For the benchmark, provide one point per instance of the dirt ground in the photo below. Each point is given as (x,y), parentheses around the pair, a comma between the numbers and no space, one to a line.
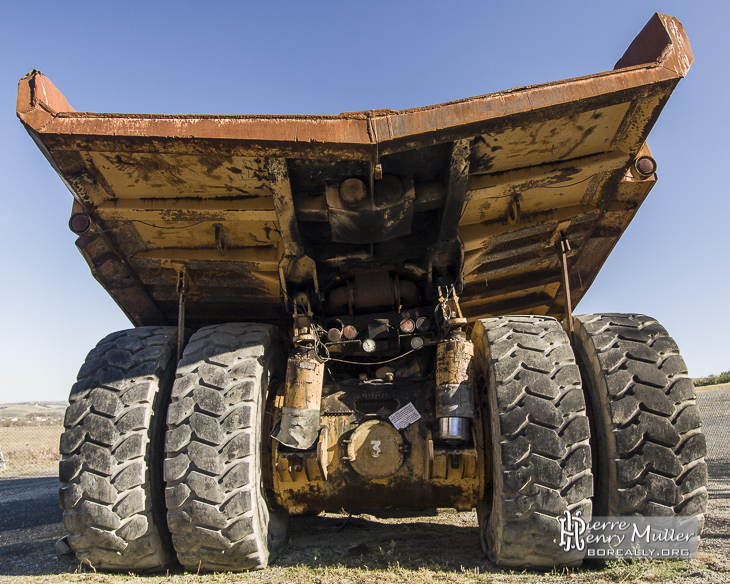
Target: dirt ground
(30,450)
(438,546)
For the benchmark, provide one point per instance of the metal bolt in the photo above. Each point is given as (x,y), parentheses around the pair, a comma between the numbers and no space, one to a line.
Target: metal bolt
(353,191)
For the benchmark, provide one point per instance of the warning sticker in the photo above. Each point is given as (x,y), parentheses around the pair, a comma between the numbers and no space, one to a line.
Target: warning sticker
(404,417)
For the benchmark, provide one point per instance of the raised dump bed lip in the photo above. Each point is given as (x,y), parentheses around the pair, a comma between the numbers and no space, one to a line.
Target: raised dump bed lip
(161,190)
(660,53)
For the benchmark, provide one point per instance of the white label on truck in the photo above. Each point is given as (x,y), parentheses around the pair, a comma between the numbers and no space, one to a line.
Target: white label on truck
(404,417)
(376,448)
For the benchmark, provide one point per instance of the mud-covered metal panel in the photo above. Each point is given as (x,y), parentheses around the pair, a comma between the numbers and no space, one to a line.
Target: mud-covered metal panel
(548,140)
(135,175)
(362,461)
(202,194)
(358,216)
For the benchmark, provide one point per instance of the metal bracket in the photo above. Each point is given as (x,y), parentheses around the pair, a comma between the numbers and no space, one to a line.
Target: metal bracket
(322,447)
(449,309)
(295,266)
(182,293)
(303,331)
(563,247)
(447,253)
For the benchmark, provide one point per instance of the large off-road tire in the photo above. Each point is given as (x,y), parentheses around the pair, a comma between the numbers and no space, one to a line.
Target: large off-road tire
(541,459)
(111,470)
(217,505)
(647,437)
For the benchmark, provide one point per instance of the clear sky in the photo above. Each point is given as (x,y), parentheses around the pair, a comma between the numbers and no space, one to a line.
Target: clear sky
(184,57)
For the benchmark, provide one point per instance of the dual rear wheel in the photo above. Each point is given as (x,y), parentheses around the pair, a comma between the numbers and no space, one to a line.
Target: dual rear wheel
(209,509)
(607,426)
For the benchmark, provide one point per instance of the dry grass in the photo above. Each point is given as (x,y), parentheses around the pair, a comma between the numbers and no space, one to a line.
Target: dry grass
(435,550)
(30,450)
(698,570)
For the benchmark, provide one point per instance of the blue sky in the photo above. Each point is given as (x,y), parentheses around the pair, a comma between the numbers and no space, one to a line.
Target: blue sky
(328,57)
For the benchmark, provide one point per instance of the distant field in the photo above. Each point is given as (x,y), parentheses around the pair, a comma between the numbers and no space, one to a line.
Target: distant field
(30,443)
(30,450)
(31,447)
(53,410)
(710,387)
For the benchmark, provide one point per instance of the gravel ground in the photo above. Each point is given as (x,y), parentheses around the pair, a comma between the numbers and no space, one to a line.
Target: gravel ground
(715,408)
(444,541)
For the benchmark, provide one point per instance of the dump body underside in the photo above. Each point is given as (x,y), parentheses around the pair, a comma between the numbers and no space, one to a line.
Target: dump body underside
(254,208)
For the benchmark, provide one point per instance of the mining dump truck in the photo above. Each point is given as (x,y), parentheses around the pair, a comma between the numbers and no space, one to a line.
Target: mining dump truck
(365,311)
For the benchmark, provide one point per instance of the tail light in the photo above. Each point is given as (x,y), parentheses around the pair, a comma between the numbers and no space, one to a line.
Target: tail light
(423,325)
(407,326)
(79,223)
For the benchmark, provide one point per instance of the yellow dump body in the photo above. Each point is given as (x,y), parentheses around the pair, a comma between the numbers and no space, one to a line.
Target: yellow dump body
(250,208)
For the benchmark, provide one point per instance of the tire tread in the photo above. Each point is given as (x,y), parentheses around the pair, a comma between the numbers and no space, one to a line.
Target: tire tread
(645,408)
(540,435)
(109,495)
(216,513)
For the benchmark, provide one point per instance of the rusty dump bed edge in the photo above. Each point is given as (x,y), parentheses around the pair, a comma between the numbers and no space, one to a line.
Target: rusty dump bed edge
(251,208)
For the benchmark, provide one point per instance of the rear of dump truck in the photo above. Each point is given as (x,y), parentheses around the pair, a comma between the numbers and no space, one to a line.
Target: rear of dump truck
(367,311)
